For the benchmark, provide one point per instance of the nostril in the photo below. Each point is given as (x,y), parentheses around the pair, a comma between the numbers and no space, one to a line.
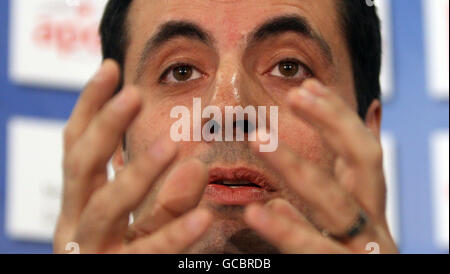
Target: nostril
(214,127)
(244,125)
(249,127)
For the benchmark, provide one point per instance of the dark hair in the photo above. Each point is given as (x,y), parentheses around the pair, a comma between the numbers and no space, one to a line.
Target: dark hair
(360,25)
(362,30)
(114,32)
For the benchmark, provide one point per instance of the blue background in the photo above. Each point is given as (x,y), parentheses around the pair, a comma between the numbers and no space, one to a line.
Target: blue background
(411,115)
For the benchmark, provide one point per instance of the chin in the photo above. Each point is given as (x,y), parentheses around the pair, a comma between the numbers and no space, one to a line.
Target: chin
(229,234)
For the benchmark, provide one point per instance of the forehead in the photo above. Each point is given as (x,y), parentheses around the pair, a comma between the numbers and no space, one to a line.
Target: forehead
(230,21)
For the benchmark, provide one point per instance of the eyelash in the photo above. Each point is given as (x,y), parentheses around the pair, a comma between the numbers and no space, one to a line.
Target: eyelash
(292,60)
(172,67)
(301,65)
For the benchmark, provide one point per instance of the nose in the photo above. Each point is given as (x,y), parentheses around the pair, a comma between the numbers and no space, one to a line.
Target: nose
(232,92)
(229,86)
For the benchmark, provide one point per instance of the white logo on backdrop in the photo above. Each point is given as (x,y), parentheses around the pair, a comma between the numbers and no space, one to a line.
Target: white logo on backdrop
(34,177)
(440,183)
(55,43)
(436,29)
(386,77)
(390,170)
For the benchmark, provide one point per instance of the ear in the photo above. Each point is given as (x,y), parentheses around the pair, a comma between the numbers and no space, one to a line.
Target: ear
(373,118)
(119,158)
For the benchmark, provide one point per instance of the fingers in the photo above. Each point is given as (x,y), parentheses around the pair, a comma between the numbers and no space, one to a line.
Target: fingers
(347,135)
(336,121)
(331,207)
(106,129)
(174,237)
(180,193)
(284,208)
(106,215)
(286,234)
(97,92)
(85,164)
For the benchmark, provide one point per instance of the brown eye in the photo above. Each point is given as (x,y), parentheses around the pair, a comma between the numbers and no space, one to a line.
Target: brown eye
(291,69)
(288,68)
(182,73)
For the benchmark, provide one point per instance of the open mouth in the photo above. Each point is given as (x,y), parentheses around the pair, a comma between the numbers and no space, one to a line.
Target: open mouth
(238,186)
(235,184)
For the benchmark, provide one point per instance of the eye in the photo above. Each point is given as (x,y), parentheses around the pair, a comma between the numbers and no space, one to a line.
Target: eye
(180,73)
(291,69)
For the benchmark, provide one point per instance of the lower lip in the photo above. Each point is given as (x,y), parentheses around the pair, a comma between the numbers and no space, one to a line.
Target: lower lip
(235,196)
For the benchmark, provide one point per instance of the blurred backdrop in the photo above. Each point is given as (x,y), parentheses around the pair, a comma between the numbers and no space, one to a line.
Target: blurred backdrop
(49,48)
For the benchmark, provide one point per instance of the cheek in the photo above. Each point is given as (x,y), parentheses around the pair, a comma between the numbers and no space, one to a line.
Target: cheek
(154,122)
(150,124)
(305,141)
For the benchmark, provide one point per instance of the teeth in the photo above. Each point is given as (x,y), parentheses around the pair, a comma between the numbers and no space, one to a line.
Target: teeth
(236,184)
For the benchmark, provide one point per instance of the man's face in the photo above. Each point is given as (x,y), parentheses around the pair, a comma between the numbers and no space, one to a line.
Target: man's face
(235,53)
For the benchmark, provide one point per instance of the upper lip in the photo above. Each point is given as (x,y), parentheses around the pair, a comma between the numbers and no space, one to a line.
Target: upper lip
(240,174)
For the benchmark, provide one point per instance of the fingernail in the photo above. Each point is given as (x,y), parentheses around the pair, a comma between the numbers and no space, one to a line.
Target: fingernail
(261,214)
(163,148)
(306,97)
(197,221)
(270,204)
(318,88)
(98,77)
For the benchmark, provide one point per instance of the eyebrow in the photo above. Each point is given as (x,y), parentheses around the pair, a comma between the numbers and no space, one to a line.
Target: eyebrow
(290,23)
(273,27)
(167,32)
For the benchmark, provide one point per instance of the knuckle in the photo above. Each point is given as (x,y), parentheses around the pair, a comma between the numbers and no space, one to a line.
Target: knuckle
(168,209)
(345,207)
(98,207)
(123,189)
(71,164)
(105,121)
(68,136)
(75,165)
(124,197)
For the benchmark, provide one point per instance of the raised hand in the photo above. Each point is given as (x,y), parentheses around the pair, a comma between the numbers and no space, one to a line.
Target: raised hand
(347,209)
(95,212)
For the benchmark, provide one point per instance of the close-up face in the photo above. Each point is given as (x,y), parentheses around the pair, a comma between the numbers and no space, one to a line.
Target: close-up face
(224,127)
(233,53)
